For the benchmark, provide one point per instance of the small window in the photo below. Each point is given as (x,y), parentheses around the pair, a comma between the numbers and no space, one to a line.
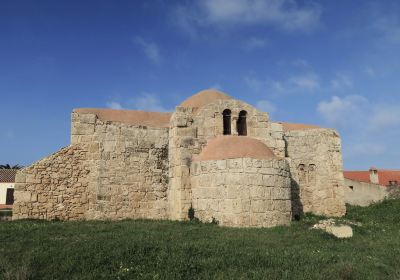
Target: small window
(226,115)
(351,187)
(241,123)
(302,167)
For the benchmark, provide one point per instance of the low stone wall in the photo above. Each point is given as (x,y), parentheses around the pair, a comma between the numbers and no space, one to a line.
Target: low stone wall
(242,192)
(362,193)
(55,187)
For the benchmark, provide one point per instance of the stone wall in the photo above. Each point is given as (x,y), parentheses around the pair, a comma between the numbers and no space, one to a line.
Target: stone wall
(132,167)
(56,187)
(183,144)
(242,192)
(209,121)
(316,169)
(362,193)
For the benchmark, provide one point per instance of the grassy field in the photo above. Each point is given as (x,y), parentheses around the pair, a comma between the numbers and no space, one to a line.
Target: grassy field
(145,249)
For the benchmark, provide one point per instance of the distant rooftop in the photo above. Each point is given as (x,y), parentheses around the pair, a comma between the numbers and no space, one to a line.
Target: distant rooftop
(7,175)
(384,176)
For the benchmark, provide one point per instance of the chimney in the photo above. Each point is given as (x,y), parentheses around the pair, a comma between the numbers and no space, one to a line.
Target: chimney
(373,175)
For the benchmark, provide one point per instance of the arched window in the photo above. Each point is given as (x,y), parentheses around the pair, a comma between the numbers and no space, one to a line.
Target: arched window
(241,123)
(226,114)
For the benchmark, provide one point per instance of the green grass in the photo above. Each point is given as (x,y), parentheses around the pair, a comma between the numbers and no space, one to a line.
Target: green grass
(146,249)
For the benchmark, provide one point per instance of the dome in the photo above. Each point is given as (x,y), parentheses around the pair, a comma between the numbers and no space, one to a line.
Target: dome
(203,98)
(226,147)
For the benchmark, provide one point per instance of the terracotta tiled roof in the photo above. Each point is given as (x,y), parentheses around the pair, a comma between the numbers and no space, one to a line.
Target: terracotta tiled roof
(7,175)
(5,206)
(203,98)
(228,146)
(385,176)
(388,175)
(297,126)
(152,119)
(361,176)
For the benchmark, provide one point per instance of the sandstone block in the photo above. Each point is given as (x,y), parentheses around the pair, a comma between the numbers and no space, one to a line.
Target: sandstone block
(82,129)
(20,177)
(340,231)
(22,196)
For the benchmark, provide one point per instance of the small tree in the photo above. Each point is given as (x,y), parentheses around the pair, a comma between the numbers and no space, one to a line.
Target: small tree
(8,166)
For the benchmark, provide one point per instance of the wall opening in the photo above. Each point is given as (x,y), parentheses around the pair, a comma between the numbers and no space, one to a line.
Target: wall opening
(226,114)
(241,123)
(10,197)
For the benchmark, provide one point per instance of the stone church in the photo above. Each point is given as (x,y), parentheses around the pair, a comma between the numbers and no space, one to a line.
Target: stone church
(215,159)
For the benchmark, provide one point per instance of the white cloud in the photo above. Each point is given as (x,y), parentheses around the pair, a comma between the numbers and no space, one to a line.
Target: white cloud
(147,102)
(367,149)
(144,101)
(283,14)
(308,81)
(216,86)
(370,71)
(384,117)
(299,83)
(254,83)
(356,112)
(114,105)
(266,106)
(150,49)
(254,43)
(184,17)
(340,111)
(302,63)
(388,26)
(341,81)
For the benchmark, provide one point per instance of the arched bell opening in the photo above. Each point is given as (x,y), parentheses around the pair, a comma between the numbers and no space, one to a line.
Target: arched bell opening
(226,115)
(241,123)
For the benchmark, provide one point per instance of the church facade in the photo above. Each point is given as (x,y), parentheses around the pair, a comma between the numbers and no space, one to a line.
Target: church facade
(215,159)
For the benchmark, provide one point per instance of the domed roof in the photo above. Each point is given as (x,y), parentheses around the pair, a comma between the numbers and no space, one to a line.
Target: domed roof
(203,98)
(225,147)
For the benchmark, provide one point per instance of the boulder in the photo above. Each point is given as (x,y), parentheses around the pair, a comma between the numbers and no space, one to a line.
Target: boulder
(340,231)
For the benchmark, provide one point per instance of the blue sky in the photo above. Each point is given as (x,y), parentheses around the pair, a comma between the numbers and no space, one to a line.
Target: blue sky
(330,63)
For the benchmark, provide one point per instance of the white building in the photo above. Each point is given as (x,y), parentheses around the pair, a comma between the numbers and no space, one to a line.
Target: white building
(7,182)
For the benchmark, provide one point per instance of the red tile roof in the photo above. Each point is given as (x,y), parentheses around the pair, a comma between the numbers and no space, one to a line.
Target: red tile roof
(388,175)
(229,146)
(361,176)
(385,176)
(152,119)
(4,206)
(7,175)
(297,126)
